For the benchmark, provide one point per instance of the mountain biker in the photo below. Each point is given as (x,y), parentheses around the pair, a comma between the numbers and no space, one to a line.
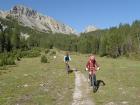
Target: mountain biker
(92,67)
(67,58)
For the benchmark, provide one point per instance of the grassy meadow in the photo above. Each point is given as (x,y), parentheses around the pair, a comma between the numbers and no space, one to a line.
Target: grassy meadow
(31,82)
(121,76)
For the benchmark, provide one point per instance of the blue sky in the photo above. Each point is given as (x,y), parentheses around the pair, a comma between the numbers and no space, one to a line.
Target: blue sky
(81,13)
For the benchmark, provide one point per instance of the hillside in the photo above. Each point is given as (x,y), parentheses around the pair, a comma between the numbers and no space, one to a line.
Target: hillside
(31,18)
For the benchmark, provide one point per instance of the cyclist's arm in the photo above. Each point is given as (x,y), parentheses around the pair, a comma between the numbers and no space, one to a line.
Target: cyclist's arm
(87,65)
(69,58)
(64,58)
(97,65)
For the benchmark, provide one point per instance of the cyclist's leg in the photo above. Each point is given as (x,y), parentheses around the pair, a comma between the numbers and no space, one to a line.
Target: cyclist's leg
(94,83)
(94,79)
(89,76)
(91,79)
(67,68)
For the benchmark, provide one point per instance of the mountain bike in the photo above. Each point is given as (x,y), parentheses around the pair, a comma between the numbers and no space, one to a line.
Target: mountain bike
(67,67)
(93,81)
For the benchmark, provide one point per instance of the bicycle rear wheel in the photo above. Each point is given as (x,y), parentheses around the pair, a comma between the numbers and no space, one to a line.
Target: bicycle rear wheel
(67,68)
(93,84)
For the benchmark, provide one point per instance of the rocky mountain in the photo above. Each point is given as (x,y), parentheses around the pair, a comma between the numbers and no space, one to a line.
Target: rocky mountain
(3,14)
(31,18)
(90,28)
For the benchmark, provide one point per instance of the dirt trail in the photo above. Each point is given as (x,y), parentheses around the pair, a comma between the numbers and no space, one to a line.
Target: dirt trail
(82,90)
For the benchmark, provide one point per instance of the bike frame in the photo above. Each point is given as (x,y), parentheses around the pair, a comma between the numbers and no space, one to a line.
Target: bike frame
(67,67)
(93,80)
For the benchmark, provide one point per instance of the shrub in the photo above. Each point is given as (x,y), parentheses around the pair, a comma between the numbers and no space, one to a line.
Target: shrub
(1,64)
(53,53)
(11,61)
(47,51)
(44,59)
(29,54)
(3,59)
(35,52)
(7,59)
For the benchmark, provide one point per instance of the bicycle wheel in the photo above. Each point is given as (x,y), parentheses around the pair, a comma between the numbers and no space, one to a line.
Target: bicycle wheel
(93,84)
(91,81)
(67,68)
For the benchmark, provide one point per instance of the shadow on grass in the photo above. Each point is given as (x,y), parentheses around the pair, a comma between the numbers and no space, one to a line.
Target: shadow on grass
(98,84)
(70,71)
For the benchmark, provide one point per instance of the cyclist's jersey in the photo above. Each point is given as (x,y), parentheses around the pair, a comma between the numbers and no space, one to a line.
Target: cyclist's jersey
(91,64)
(67,58)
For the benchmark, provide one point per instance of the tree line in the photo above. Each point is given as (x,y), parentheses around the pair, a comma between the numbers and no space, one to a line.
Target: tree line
(114,42)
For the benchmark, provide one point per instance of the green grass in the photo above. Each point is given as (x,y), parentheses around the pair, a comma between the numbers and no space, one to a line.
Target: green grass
(31,82)
(34,83)
(122,78)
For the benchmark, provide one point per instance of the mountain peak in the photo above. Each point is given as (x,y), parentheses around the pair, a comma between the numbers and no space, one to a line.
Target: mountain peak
(23,10)
(90,28)
(2,14)
(31,18)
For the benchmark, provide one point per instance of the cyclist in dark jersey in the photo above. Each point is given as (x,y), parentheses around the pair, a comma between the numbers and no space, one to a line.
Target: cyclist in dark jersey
(67,58)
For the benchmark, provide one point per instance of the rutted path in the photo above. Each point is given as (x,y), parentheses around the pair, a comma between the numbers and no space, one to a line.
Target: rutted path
(81,92)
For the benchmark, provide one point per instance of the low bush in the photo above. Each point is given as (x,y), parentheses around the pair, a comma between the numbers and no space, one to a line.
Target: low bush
(11,61)
(47,51)
(53,53)
(7,59)
(44,59)
(30,54)
(27,53)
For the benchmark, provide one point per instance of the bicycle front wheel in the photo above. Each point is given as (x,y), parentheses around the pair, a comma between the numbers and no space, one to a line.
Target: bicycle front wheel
(93,83)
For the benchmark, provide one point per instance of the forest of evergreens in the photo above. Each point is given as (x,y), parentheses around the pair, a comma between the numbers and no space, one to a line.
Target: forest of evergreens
(114,42)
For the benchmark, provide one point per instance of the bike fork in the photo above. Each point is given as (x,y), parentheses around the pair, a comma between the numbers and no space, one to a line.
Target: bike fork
(93,78)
